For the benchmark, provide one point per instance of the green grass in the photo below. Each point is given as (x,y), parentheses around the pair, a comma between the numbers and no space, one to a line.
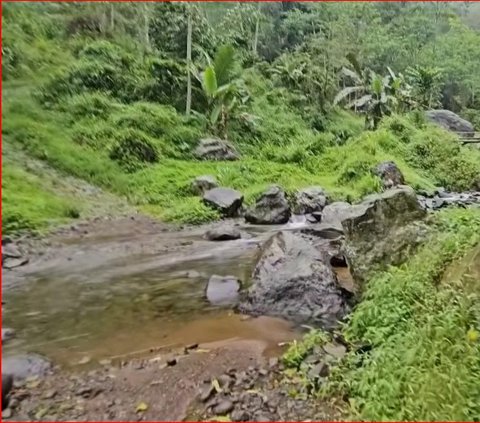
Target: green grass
(29,205)
(425,360)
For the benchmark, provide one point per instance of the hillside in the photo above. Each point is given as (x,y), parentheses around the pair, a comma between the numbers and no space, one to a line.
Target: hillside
(114,109)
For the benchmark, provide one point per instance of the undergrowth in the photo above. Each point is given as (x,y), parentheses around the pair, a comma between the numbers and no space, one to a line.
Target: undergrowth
(421,325)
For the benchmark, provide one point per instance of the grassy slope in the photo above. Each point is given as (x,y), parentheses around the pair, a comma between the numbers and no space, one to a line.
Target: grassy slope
(423,325)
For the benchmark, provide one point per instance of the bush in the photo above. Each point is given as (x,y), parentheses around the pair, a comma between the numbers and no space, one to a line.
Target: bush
(133,149)
(448,163)
(89,105)
(417,319)
(154,119)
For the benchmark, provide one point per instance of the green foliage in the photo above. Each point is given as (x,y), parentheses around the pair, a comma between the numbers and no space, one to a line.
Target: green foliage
(28,205)
(89,105)
(133,149)
(417,319)
(298,351)
(426,82)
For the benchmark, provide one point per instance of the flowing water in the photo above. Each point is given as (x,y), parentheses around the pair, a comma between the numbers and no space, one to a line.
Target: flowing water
(117,293)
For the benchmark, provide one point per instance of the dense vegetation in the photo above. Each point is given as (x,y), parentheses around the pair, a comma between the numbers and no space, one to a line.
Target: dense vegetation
(310,94)
(99,91)
(415,353)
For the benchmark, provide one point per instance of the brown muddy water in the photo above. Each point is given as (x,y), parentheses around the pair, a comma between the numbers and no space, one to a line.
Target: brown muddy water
(111,293)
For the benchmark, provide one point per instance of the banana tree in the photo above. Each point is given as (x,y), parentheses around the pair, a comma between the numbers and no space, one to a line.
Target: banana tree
(372,94)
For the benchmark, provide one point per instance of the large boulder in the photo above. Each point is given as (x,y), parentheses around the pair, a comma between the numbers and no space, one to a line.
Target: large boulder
(390,174)
(215,149)
(270,208)
(310,200)
(292,280)
(202,184)
(335,213)
(383,230)
(451,121)
(228,201)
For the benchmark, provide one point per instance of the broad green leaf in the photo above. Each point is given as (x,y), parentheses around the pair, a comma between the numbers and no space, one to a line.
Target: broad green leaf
(346,92)
(210,82)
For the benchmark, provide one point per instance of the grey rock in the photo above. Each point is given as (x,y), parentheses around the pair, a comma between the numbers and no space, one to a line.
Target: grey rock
(206,392)
(333,215)
(319,370)
(222,290)
(24,365)
(7,385)
(383,230)
(291,280)
(223,407)
(10,250)
(7,413)
(270,208)
(11,263)
(335,350)
(223,233)
(228,201)
(451,121)
(390,174)
(215,149)
(309,200)
(239,416)
(202,184)
(7,334)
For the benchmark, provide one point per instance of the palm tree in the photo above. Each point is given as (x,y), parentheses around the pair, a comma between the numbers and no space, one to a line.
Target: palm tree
(221,85)
(426,84)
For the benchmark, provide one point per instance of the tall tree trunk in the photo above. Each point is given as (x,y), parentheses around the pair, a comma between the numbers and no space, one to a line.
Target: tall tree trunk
(189,62)
(112,17)
(257,28)
(146,26)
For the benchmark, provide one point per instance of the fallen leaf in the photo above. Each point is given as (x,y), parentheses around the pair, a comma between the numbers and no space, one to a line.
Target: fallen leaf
(252,391)
(141,407)
(33,384)
(221,419)
(216,385)
(473,335)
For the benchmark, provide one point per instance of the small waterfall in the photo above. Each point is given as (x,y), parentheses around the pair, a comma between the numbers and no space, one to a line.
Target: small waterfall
(297,221)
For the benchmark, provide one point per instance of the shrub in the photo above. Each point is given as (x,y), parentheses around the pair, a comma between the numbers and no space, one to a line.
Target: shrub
(89,105)
(448,163)
(133,149)
(153,119)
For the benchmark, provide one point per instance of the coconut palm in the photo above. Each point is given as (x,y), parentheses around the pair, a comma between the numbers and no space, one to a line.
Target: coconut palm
(222,86)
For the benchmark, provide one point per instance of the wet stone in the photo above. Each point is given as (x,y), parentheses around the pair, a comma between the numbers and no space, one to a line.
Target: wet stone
(337,351)
(223,407)
(206,392)
(239,416)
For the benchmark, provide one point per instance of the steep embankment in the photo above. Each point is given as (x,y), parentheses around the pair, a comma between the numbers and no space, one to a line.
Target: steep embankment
(414,337)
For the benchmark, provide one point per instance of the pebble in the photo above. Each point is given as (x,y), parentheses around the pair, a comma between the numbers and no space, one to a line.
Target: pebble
(223,407)
(171,361)
(239,416)
(337,351)
(7,413)
(50,394)
(273,362)
(206,392)
(84,360)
